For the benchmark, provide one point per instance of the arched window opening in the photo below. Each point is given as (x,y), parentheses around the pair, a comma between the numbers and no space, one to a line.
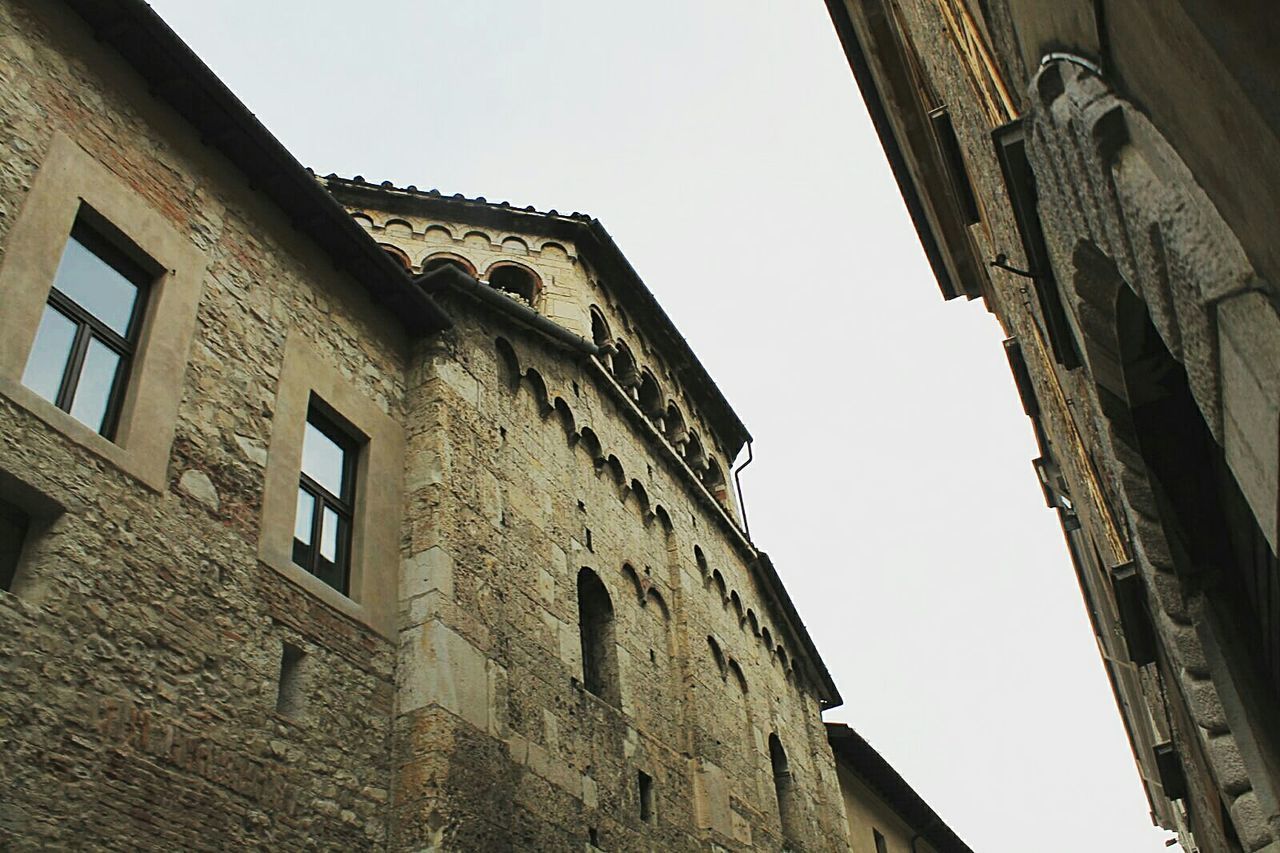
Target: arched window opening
(515,281)
(784,788)
(599,644)
(1201,503)
(677,432)
(694,455)
(441,261)
(714,480)
(651,400)
(753,622)
(720,585)
(624,369)
(399,256)
(600,334)
(736,602)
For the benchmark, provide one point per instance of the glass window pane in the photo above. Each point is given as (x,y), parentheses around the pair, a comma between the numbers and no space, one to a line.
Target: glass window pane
(49,354)
(322,460)
(97,378)
(306,514)
(96,286)
(329,535)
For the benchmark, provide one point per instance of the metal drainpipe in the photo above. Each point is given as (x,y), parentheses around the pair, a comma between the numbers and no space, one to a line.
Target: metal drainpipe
(737,482)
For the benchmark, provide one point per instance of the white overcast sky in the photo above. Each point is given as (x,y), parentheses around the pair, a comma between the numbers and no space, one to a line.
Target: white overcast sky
(726,148)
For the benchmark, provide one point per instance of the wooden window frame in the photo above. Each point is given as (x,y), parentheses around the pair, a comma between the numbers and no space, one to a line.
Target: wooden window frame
(90,328)
(331,426)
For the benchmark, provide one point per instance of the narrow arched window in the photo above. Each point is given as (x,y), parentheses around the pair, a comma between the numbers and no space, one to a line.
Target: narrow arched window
(600,334)
(599,645)
(784,787)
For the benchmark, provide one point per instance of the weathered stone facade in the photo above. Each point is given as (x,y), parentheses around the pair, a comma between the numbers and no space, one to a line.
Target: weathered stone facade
(175,680)
(1115,229)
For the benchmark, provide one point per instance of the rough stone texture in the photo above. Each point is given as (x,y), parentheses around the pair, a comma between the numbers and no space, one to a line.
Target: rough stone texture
(490,625)
(142,644)
(141,651)
(1123,211)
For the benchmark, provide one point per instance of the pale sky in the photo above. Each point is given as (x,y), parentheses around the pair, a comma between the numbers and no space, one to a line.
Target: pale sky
(726,148)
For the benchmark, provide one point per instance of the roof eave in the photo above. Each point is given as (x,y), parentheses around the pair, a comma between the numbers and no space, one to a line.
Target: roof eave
(175,75)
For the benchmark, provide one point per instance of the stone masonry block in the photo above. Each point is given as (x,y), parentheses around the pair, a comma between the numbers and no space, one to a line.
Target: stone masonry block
(1249,329)
(428,571)
(439,667)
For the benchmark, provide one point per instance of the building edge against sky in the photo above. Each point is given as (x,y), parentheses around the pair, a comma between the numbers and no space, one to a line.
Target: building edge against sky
(312,541)
(1106,178)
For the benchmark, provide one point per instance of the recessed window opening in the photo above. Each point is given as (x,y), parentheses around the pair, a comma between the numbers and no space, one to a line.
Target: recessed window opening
(326,499)
(14,524)
(644,783)
(600,335)
(596,631)
(514,280)
(89,332)
(587,536)
(784,788)
(881,845)
(593,836)
(289,698)
(397,255)
(437,263)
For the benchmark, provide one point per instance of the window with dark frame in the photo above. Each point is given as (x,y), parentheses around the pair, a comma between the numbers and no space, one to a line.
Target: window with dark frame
(89,331)
(326,499)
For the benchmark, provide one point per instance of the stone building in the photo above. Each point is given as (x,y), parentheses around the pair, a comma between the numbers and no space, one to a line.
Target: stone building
(389,522)
(1105,176)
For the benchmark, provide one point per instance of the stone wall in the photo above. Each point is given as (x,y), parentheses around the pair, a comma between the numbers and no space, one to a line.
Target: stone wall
(141,646)
(1126,221)
(172,684)
(527,463)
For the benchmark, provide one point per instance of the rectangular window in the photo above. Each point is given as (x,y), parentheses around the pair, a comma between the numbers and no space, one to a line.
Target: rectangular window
(13,532)
(326,500)
(881,845)
(289,696)
(89,330)
(645,784)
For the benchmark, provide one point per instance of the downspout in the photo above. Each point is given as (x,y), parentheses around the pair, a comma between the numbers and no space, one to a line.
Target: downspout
(737,482)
